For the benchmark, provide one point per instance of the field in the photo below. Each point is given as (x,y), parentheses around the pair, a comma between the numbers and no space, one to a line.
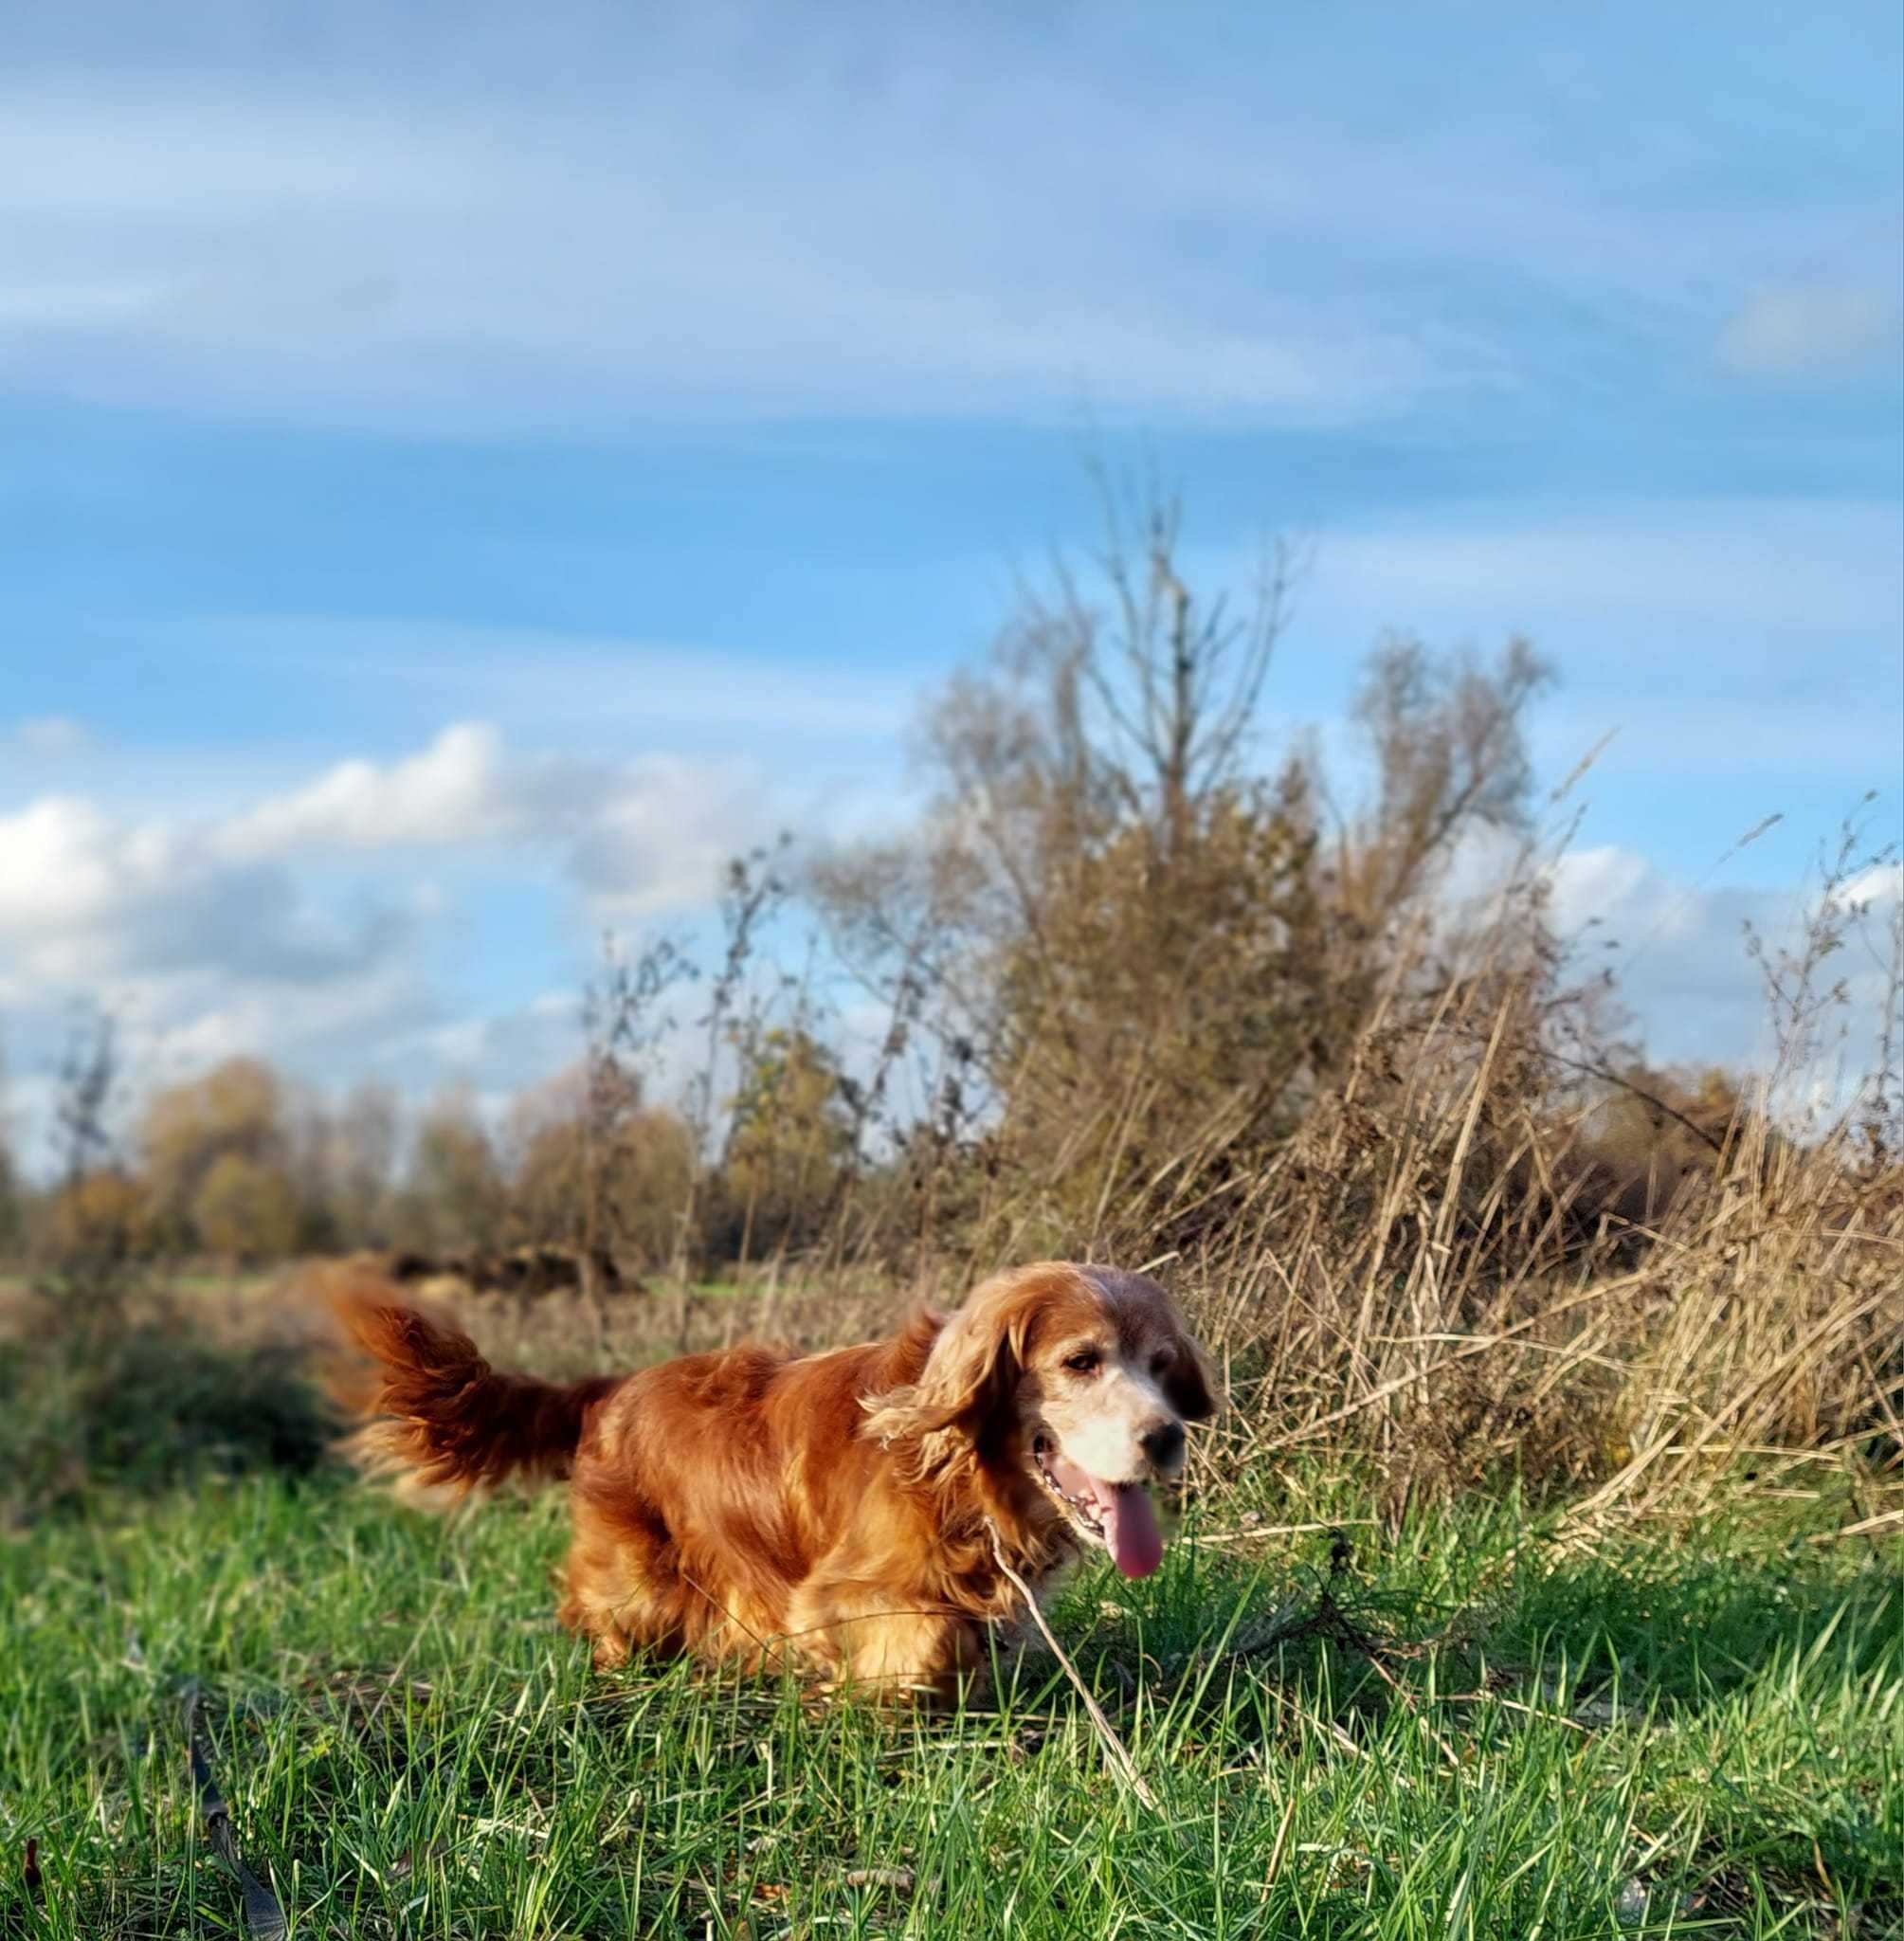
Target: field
(1350,1720)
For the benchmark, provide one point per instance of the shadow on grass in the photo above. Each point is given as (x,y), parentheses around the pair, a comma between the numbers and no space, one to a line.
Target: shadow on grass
(1675,1628)
(1722,1674)
(1666,1628)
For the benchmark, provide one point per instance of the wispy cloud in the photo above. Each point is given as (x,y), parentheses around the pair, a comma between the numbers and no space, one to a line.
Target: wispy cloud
(555,684)
(464,260)
(1815,330)
(1818,566)
(722,212)
(45,738)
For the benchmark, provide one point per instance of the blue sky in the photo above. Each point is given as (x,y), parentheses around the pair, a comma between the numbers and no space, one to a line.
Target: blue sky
(468,469)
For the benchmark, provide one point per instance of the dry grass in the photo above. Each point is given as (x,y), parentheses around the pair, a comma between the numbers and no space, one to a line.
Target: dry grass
(1410,1283)
(1430,1278)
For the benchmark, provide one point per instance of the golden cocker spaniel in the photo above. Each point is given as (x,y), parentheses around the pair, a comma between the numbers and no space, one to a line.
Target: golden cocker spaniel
(842,1506)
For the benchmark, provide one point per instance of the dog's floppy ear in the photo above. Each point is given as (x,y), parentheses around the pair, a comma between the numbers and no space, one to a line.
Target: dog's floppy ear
(1190,1386)
(977,1360)
(970,1370)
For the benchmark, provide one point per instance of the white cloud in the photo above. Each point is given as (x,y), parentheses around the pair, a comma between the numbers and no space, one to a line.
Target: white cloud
(454,792)
(1812,329)
(633,837)
(510,1047)
(195,955)
(81,885)
(1679,953)
(81,892)
(298,925)
(85,896)
(1685,972)
(47,738)
(1874,887)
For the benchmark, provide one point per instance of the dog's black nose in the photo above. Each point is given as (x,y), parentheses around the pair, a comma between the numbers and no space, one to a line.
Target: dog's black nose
(1164,1443)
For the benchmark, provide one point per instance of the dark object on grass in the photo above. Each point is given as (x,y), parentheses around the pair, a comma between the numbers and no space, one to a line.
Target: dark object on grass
(263,1917)
(530,1272)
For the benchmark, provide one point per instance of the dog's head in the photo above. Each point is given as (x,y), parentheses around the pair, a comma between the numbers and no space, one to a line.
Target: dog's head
(1076,1380)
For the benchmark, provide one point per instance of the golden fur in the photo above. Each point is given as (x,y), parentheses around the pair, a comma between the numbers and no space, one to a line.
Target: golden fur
(749,1503)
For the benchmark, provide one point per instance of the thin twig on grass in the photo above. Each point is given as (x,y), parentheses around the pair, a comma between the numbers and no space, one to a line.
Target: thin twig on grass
(263,1914)
(1275,1866)
(1115,1750)
(1869,1527)
(1203,1539)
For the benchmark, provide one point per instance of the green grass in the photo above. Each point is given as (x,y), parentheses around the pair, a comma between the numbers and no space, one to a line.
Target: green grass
(1700,1736)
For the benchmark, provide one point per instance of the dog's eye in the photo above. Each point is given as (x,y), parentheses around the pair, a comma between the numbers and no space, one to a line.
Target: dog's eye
(1083,1363)
(1160,1361)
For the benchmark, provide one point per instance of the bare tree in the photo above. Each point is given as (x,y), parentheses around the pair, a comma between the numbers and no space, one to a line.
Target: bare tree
(622,1024)
(1176,680)
(755,892)
(1119,908)
(88,1081)
(1447,735)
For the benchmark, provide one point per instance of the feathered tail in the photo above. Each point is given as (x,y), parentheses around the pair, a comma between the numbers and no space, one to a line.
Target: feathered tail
(440,1414)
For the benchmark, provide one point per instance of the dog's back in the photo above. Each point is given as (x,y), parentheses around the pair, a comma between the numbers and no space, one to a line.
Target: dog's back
(708,1489)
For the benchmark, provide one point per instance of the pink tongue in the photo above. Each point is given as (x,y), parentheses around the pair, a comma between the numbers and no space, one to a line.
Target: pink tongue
(1129,1527)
